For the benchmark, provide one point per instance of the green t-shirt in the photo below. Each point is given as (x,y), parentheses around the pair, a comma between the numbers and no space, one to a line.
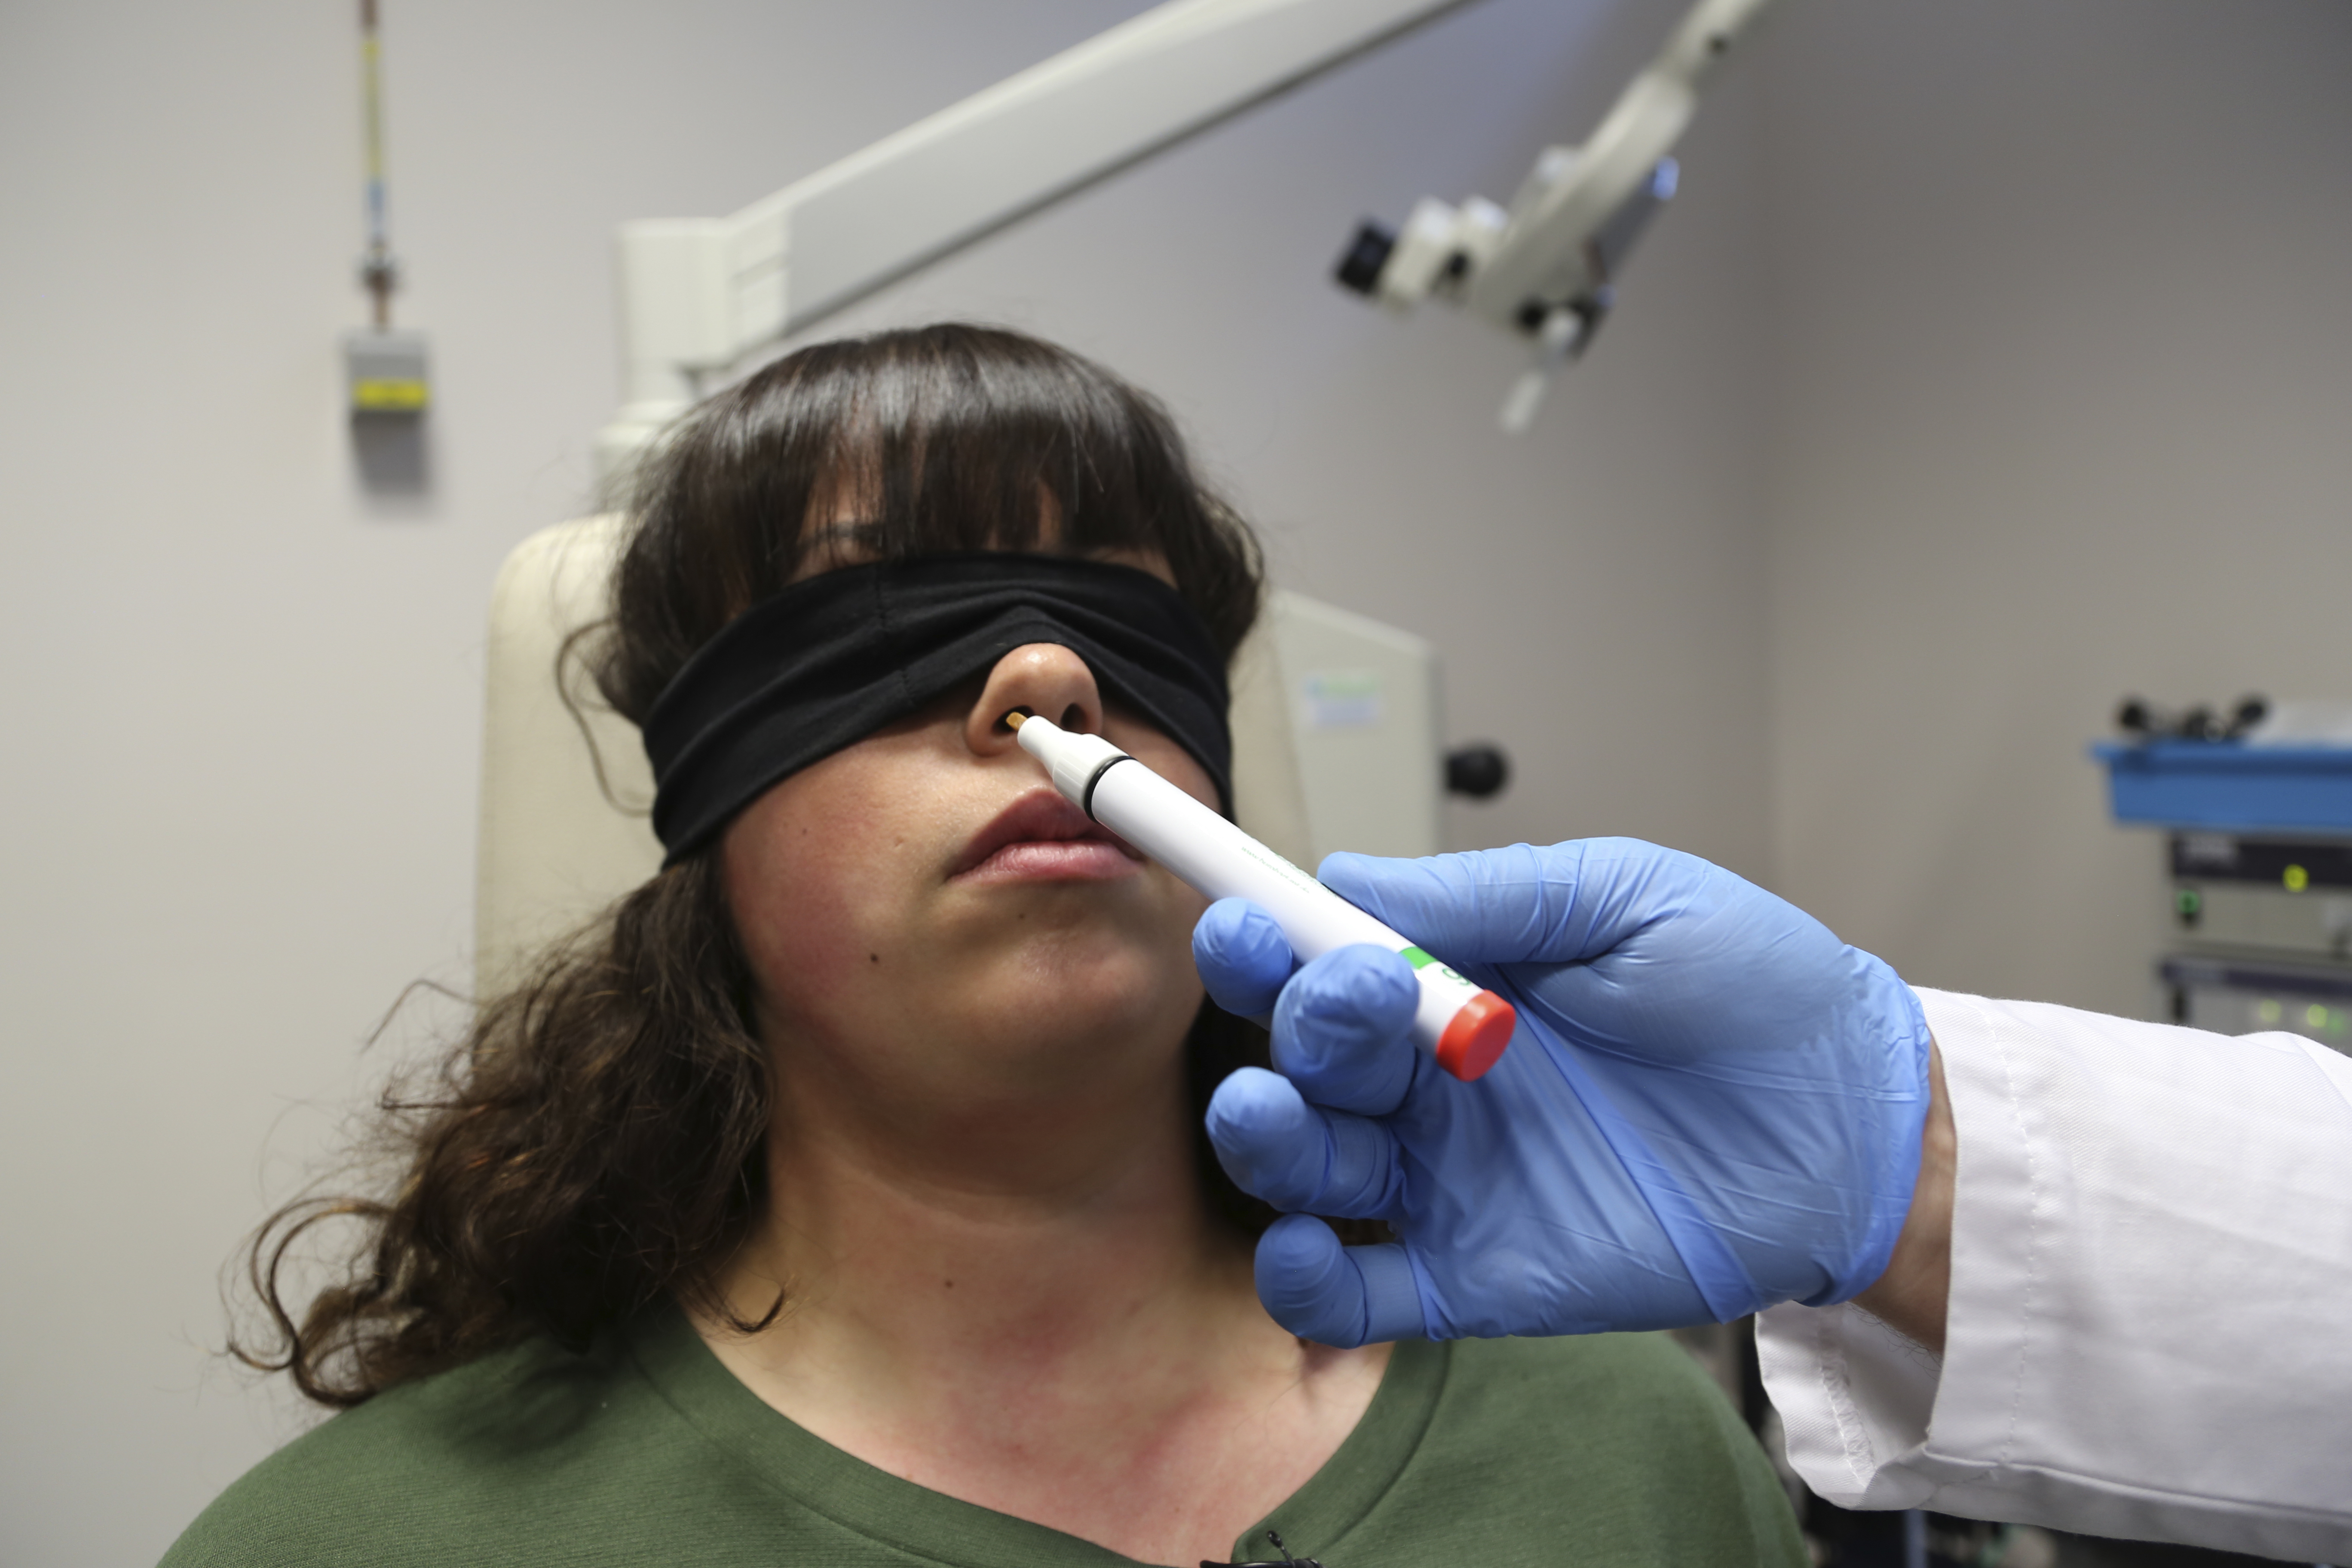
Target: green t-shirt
(1494,1454)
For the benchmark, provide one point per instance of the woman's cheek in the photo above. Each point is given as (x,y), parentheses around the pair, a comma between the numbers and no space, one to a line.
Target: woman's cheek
(814,913)
(800,953)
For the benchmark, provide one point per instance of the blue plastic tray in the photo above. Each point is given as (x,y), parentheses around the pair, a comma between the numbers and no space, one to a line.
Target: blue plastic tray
(2231,787)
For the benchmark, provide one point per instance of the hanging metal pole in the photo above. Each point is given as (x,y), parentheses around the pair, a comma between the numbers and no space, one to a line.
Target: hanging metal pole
(378,270)
(383,371)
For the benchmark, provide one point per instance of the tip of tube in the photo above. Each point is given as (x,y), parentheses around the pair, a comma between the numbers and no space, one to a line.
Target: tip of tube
(1015,720)
(1475,1039)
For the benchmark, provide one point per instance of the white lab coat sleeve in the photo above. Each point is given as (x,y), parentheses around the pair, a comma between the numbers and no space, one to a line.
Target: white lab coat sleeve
(2150,1330)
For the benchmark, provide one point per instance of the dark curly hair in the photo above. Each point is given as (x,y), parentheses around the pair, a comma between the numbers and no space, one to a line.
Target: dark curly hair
(596,1140)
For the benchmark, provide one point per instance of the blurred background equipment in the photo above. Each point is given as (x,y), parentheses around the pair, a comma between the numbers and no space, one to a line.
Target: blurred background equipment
(1546,267)
(697,295)
(387,378)
(1477,772)
(2259,845)
(2137,716)
(2258,814)
(2264,928)
(384,369)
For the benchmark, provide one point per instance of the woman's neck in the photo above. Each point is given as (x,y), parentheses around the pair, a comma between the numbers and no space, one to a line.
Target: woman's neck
(920,1236)
(1020,1299)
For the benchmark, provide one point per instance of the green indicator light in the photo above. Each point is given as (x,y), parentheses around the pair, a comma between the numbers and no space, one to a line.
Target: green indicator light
(2315,1015)
(2266,1011)
(2296,878)
(2188,903)
(2336,1022)
(1417,958)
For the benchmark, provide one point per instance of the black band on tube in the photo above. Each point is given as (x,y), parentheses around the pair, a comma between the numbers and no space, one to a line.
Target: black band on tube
(1096,777)
(830,660)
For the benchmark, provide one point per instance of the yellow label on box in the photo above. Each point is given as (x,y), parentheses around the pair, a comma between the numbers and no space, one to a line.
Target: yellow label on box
(389,396)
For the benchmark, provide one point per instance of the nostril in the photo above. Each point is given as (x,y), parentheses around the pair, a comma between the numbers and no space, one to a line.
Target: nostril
(1074,718)
(1001,728)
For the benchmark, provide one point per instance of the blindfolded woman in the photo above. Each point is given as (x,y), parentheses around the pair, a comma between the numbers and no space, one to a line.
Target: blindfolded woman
(841,1197)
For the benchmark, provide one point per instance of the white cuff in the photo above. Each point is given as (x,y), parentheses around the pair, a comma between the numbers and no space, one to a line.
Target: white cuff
(1854,1399)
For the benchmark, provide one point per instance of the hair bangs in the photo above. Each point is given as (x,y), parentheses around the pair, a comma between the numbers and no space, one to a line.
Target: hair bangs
(906,443)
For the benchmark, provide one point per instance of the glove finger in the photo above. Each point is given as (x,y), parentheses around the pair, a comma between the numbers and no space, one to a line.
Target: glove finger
(1554,904)
(1243,958)
(1338,1296)
(1343,1030)
(1300,1158)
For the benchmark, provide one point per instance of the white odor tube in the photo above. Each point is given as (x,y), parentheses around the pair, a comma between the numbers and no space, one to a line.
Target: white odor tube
(1464,1026)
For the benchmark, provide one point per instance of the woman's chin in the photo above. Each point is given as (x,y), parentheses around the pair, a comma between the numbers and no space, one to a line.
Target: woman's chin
(1094,1012)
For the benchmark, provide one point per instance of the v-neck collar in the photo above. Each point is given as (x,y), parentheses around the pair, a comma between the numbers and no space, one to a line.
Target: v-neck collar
(787,1458)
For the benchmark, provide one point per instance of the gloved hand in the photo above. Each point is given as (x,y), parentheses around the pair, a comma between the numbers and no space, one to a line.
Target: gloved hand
(1711,1104)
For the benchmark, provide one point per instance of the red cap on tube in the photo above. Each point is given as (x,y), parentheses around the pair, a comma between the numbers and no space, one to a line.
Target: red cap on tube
(1476,1036)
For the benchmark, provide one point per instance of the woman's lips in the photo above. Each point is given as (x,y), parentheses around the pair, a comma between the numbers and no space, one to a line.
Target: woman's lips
(1043,838)
(1066,860)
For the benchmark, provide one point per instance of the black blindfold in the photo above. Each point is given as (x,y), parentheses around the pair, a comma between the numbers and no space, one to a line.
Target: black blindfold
(830,660)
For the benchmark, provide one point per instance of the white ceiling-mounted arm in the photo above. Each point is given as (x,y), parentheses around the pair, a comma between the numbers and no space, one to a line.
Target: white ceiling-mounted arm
(697,294)
(1546,265)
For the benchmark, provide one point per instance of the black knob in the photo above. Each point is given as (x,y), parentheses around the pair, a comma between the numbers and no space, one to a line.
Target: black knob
(1477,771)
(1359,268)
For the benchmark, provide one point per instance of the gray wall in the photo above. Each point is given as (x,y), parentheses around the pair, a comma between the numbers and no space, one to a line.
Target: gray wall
(2061,408)
(243,694)
(1992,362)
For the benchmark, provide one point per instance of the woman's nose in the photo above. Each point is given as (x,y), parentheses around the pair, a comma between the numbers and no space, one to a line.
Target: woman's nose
(1041,677)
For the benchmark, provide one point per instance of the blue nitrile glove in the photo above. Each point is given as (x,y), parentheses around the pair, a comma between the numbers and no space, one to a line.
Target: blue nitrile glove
(1711,1104)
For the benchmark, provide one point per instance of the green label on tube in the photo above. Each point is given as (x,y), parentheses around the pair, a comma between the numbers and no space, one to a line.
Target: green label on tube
(1421,961)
